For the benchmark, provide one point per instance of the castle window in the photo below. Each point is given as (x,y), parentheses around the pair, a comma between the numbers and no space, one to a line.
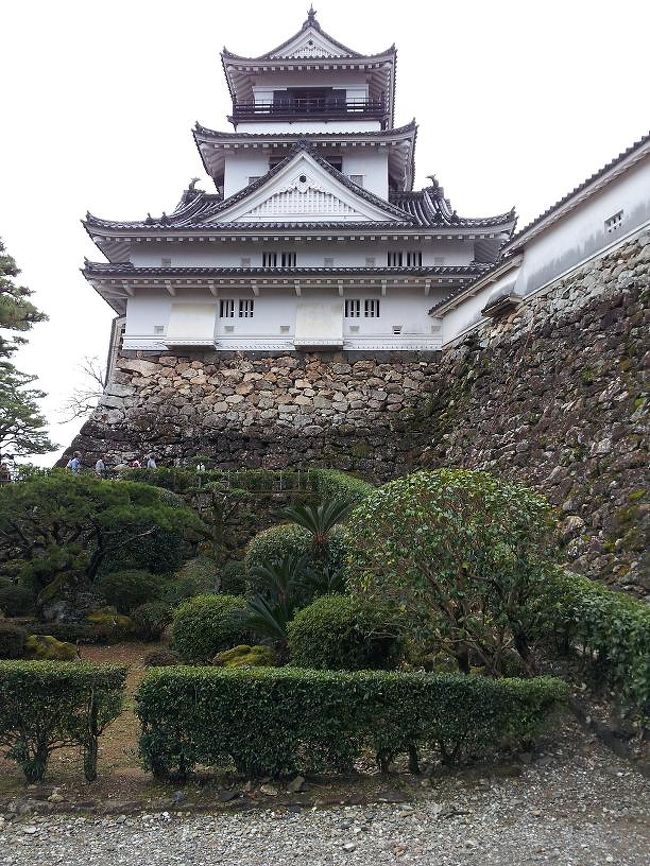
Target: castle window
(246,308)
(409,258)
(614,222)
(352,308)
(371,308)
(272,259)
(328,262)
(165,262)
(159,329)
(227,308)
(356,178)
(245,261)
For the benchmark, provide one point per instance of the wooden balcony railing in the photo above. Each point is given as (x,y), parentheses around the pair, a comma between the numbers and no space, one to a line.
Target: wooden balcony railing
(324,108)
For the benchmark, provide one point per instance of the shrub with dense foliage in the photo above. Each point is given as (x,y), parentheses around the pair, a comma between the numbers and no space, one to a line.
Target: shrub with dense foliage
(162,658)
(151,619)
(276,721)
(272,546)
(607,632)
(245,656)
(232,579)
(60,530)
(12,641)
(16,600)
(196,577)
(110,627)
(207,624)
(46,706)
(466,547)
(341,632)
(126,590)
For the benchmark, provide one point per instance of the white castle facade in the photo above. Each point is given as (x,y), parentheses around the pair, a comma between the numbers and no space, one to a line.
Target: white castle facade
(314,238)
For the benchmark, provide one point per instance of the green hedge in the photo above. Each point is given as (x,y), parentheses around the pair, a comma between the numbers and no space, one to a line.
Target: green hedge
(339,632)
(48,705)
(12,641)
(126,590)
(207,624)
(277,721)
(609,630)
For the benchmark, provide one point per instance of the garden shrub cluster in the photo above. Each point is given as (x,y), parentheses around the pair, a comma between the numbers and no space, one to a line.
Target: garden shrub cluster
(608,632)
(16,600)
(273,545)
(339,632)
(278,721)
(12,641)
(207,624)
(47,705)
(151,619)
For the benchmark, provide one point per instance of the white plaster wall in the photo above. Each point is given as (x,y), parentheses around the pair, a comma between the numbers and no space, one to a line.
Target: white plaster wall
(352,125)
(308,253)
(372,163)
(582,232)
(276,309)
(468,313)
(242,164)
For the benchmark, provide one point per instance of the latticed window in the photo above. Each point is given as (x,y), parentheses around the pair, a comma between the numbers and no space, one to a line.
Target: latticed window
(246,308)
(352,308)
(227,308)
(272,259)
(371,308)
(408,258)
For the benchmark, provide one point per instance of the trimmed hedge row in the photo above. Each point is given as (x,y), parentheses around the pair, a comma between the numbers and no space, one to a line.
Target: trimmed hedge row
(48,705)
(610,630)
(278,721)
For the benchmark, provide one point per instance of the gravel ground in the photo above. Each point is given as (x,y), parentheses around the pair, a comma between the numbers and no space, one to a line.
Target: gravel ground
(577,805)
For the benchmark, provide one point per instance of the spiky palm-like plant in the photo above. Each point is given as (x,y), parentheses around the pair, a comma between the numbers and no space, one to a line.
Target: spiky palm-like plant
(320,519)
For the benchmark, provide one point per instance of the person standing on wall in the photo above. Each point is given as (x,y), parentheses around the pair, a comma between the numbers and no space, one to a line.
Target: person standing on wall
(74,463)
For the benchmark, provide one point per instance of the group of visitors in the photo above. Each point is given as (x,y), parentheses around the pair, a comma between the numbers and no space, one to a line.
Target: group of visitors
(75,465)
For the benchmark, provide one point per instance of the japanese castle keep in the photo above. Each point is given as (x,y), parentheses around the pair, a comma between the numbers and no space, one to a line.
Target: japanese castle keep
(313,308)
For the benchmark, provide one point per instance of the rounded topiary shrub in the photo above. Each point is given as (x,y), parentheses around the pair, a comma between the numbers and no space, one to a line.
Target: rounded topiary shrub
(271,546)
(12,641)
(233,577)
(126,590)
(207,624)
(339,632)
(197,576)
(151,619)
(16,600)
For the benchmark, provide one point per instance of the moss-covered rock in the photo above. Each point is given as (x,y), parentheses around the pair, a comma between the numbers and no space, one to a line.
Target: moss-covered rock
(110,626)
(245,656)
(44,647)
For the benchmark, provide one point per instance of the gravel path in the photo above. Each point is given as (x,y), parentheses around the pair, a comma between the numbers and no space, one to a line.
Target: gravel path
(577,806)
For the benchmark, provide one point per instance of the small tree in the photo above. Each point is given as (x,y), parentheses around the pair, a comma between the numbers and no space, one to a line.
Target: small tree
(22,427)
(465,547)
(59,528)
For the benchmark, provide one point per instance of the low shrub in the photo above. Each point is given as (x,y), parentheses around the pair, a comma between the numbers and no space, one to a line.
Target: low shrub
(608,632)
(12,641)
(206,624)
(126,590)
(46,706)
(338,632)
(44,647)
(196,577)
(334,484)
(233,578)
(245,656)
(16,600)
(150,620)
(275,721)
(161,658)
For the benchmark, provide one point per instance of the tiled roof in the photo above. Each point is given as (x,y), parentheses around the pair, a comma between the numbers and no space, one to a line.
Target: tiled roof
(429,207)
(641,142)
(124,269)
(206,133)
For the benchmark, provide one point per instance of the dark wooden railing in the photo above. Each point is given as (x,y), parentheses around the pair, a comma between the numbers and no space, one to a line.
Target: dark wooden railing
(322,107)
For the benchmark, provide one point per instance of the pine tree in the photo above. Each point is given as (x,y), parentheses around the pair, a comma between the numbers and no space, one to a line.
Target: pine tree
(22,426)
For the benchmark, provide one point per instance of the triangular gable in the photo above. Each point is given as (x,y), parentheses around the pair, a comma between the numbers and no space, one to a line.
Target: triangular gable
(304,191)
(310,42)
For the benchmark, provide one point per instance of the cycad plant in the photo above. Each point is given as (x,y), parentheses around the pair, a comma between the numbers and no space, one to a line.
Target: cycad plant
(284,591)
(319,519)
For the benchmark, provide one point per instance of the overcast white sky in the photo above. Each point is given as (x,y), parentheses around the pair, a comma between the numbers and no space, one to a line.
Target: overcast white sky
(517,102)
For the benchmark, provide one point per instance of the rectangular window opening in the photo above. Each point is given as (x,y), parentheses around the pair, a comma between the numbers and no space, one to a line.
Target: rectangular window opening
(159,329)
(165,262)
(371,308)
(227,308)
(328,262)
(245,261)
(614,222)
(246,308)
(352,308)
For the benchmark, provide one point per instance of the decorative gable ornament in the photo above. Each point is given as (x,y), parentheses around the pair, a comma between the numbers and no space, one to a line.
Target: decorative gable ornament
(304,191)
(310,43)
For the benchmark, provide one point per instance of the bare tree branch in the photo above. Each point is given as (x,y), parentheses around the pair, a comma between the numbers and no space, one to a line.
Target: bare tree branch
(85,397)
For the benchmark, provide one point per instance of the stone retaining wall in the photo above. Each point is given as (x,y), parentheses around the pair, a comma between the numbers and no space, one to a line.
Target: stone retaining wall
(553,395)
